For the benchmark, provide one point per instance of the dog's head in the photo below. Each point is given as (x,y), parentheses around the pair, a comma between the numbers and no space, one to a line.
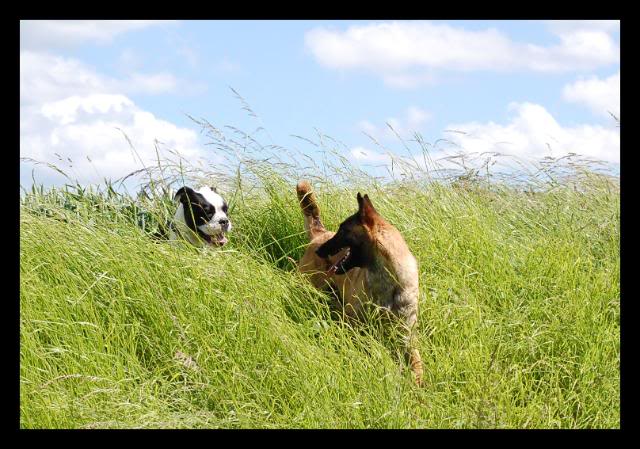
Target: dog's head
(355,235)
(205,213)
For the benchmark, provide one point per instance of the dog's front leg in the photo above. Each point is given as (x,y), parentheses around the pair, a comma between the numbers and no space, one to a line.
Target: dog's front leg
(406,309)
(412,356)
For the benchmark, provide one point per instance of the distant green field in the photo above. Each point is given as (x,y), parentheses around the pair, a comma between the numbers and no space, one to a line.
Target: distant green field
(519,323)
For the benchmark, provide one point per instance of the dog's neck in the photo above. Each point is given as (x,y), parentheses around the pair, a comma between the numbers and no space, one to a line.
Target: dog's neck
(388,274)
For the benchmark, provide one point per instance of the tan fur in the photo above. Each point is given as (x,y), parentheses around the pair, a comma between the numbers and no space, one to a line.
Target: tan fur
(392,281)
(310,209)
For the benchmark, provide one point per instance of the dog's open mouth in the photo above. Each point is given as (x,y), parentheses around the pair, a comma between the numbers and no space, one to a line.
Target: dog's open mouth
(215,240)
(346,252)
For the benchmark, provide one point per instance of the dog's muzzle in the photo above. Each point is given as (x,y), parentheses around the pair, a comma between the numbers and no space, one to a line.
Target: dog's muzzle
(219,239)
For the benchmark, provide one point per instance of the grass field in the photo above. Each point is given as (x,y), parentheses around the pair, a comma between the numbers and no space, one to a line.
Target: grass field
(519,323)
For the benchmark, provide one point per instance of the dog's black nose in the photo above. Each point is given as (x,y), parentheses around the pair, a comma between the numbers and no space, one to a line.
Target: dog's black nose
(223,221)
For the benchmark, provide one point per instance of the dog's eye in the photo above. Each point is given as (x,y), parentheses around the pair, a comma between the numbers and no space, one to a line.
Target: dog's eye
(224,208)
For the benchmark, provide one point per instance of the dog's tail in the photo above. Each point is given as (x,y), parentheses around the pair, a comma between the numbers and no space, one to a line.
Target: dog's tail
(310,209)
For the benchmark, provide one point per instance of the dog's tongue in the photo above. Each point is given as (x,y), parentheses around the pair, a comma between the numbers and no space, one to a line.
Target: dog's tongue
(333,268)
(217,239)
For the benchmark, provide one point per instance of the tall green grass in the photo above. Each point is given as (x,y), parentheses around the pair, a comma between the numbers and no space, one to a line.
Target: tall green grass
(518,324)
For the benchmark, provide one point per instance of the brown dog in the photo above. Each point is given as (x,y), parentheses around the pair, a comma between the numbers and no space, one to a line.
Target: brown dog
(366,258)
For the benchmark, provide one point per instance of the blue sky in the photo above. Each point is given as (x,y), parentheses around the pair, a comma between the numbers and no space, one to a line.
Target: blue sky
(525,82)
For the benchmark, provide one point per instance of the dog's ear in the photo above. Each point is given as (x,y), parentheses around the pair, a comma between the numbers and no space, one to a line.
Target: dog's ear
(183,194)
(366,211)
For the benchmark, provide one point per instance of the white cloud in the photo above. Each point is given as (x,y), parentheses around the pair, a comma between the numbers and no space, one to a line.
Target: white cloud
(69,109)
(89,126)
(44,77)
(47,34)
(413,121)
(405,54)
(601,96)
(533,132)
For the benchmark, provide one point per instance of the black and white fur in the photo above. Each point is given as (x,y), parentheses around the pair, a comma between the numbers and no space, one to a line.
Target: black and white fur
(201,217)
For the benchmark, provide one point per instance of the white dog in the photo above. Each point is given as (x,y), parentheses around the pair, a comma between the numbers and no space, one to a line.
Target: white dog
(201,217)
